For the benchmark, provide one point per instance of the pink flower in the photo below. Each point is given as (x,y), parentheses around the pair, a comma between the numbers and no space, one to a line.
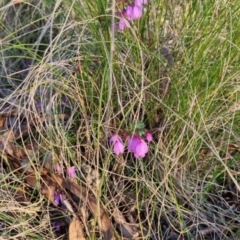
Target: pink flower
(71,172)
(132,143)
(134,12)
(123,23)
(140,2)
(117,143)
(141,148)
(148,136)
(58,198)
(138,146)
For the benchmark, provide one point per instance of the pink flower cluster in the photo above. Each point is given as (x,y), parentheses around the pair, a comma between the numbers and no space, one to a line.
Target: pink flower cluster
(136,145)
(131,12)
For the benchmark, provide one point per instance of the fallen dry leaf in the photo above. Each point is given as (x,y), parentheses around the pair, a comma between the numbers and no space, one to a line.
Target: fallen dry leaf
(48,191)
(20,195)
(2,120)
(76,231)
(124,227)
(92,203)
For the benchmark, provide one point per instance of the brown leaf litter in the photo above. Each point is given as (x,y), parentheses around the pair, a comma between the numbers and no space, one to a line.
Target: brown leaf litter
(18,160)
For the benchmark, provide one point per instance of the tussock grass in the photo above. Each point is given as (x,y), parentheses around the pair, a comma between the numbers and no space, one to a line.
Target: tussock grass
(60,62)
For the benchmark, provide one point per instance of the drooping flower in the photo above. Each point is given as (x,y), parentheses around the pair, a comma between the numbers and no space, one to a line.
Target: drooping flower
(123,23)
(58,199)
(141,149)
(71,172)
(132,143)
(148,136)
(138,146)
(131,12)
(117,143)
(134,12)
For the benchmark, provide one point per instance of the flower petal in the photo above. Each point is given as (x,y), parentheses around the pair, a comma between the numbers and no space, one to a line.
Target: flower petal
(71,172)
(118,148)
(123,23)
(58,198)
(115,138)
(148,136)
(56,226)
(141,149)
(133,12)
(133,143)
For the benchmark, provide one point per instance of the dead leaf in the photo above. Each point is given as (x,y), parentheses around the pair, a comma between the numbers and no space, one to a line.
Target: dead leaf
(124,227)
(76,231)
(47,184)
(92,203)
(6,135)
(2,120)
(20,195)
(48,191)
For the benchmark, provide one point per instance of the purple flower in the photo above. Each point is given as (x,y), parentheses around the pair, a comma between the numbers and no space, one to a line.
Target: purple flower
(58,198)
(56,226)
(134,12)
(64,98)
(148,136)
(42,90)
(138,146)
(117,143)
(71,172)
(38,104)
